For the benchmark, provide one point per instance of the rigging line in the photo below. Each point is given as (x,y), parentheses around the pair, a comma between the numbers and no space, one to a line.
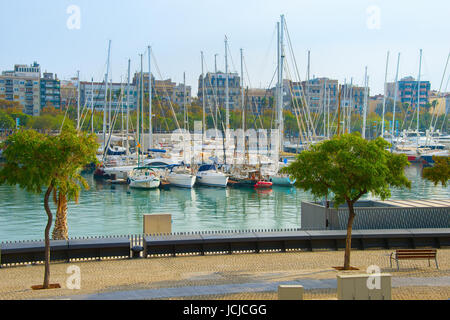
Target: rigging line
(439,92)
(208,100)
(256,115)
(298,76)
(231,57)
(165,90)
(300,124)
(296,106)
(446,108)
(269,49)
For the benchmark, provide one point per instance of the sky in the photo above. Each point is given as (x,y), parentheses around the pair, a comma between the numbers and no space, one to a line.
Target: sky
(343,37)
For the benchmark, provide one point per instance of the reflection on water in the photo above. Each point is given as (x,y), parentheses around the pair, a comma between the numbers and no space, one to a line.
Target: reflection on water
(117,210)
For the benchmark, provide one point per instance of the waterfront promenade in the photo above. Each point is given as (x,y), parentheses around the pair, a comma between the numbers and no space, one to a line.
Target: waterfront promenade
(237,276)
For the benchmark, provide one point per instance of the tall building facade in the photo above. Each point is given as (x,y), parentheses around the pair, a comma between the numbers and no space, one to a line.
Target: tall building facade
(178,95)
(353,96)
(407,91)
(258,100)
(50,91)
(93,93)
(22,85)
(164,90)
(69,93)
(320,92)
(215,90)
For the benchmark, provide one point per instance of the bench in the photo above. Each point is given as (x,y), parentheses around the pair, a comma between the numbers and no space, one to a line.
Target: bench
(414,254)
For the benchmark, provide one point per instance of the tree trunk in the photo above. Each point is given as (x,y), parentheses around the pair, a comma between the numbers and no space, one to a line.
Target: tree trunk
(47,238)
(60,231)
(348,240)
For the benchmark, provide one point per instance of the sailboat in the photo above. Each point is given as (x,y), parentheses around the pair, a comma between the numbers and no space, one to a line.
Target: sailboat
(143,178)
(208,175)
(181,176)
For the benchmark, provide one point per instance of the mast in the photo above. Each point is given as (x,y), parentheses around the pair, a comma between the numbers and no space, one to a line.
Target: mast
(242,100)
(142,101)
(418,96)
(215,85)
(280,110)
(184,103)
(384,95)
(366,84)
(227,106)
(138,125)
(150,127)
(92,105)
(128,103)
(339,112)
(350,107)
(203,106)
(110,129)
(78,100)
(106,93)
(395,97)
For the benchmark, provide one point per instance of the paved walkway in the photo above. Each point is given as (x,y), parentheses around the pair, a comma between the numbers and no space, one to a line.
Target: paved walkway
(191,291)
(239,276)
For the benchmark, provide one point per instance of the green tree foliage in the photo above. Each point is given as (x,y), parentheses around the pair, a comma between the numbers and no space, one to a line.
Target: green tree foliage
(35,161)
(347,167)
(439,172)
(6,121)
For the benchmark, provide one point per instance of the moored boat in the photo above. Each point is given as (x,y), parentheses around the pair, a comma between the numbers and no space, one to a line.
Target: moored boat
(143,178)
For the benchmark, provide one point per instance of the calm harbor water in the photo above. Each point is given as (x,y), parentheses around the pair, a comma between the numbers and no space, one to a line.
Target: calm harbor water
(118,210)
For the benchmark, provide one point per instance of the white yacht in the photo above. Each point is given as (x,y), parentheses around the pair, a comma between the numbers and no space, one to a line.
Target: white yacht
(143,178)
(208,175)
(181,176)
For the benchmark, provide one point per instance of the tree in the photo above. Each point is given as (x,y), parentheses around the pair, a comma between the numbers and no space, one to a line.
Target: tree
(440,172)
(6,122)
(35,161)
(348,167)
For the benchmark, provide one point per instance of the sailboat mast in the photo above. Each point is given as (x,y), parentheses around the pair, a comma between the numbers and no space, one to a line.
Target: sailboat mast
(150,127)
(203,106)
(242,100)
(395,96)
(128,103)
(142,101)
(78,100)
(106,95)
(184,103)
(418,96)
(227,106)
(384,95)
(366,84)
(280,116)
(92,105)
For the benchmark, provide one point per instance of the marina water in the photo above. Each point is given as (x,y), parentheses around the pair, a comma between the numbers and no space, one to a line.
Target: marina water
(107,209)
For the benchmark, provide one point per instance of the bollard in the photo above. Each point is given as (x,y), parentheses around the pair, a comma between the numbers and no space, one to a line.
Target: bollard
(290,292)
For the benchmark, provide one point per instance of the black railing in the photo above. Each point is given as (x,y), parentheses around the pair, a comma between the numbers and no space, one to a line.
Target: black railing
(217,242)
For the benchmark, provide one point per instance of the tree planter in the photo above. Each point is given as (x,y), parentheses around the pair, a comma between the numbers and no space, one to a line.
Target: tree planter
(50,286)
(343,269)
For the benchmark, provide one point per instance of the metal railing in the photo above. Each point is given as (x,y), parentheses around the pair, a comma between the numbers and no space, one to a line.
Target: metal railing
(216,242)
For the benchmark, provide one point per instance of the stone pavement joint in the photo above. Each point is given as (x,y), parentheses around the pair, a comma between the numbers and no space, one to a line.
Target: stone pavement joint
(191,291)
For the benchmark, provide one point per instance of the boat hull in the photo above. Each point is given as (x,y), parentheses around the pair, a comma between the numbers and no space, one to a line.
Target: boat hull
(212,179)
(181,180)
(282,181)
(145,184)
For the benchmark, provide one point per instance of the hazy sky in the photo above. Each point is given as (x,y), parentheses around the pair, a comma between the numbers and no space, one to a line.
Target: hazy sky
(343,36)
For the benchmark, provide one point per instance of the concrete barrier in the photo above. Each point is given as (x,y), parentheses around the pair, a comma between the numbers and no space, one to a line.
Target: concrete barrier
(364,286)
(290,292)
